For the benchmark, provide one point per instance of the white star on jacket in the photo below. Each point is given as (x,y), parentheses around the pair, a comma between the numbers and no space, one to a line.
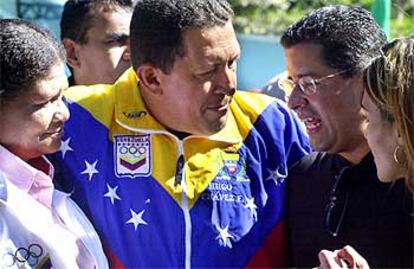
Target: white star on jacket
(277,176)
(224,237)
(136,219)
(111,194)
(90,169)
(252,207)
(65,147)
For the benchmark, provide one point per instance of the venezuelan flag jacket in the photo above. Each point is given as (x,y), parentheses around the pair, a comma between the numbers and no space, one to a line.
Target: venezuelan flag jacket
(157,201)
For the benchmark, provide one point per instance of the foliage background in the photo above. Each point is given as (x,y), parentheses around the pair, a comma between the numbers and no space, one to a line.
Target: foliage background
(271,17)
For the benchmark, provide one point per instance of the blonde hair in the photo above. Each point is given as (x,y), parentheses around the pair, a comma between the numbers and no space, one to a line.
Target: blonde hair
(389,81)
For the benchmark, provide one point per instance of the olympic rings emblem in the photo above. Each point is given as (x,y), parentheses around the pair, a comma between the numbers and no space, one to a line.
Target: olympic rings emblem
(28,255)
(133,150)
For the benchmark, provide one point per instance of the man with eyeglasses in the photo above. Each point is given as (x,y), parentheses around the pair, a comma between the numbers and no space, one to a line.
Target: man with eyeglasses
(335,197)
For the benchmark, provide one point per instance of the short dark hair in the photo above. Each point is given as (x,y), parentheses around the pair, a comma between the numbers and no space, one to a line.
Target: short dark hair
(349,36)
(27,53)
(77,16)
(157,27)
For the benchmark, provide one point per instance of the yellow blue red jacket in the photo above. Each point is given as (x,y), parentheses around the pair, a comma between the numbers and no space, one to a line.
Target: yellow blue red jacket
(158,201)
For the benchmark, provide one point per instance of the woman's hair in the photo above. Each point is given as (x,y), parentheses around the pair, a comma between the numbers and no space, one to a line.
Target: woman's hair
(389,81)
(27,53)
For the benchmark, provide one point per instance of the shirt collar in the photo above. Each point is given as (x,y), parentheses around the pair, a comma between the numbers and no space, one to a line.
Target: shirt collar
(28,178)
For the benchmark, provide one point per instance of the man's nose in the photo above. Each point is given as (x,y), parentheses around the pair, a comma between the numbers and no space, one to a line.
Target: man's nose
(297,99)
(62,114)
(226,81)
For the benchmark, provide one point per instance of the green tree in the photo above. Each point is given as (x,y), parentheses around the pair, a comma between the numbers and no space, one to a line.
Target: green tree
(271,17)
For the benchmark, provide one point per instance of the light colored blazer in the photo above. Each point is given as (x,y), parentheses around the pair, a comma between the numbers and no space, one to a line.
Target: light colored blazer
(30,236)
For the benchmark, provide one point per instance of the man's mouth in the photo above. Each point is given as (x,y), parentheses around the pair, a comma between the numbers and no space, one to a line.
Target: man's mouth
(312,124)
(219,107)
(55,132)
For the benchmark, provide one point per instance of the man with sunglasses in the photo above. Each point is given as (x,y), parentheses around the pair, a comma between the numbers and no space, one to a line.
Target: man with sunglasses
(335,197)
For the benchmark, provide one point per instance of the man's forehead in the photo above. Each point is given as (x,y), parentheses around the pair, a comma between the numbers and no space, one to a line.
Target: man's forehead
(110,23)
(305,59)
(114,18)
(211,40)
(107,8)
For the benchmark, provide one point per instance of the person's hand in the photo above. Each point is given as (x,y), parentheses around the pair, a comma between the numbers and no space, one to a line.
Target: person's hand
(346,257)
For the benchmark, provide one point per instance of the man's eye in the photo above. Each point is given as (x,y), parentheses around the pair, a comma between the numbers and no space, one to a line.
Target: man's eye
(306,84)
(118,41)
(207,74)
(122,40)
(112,42)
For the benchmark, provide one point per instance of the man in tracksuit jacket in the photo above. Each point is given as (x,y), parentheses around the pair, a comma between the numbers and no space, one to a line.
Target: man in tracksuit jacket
(172,165)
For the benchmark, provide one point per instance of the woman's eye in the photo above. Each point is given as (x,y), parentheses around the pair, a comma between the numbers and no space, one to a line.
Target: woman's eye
(232,64)
(64,100)
(364,113)
(41,105)
(54,99)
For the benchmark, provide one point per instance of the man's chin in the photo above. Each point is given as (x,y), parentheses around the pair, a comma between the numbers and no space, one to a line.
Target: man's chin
(316,143)
(51,148)
(211,130)
(219,125)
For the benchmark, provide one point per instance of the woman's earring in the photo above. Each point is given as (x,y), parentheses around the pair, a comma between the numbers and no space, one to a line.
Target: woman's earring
(397,148)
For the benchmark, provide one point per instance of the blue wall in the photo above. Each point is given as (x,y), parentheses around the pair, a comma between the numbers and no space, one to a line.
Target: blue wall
(261,59)
(47,13)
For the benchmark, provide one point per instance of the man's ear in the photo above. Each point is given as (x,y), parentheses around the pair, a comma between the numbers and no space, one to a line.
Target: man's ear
(149,77)
(358,86)
(72,54)
(126,56)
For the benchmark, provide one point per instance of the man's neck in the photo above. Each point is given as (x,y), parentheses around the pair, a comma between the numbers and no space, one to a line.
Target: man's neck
(357,154)
(180,135)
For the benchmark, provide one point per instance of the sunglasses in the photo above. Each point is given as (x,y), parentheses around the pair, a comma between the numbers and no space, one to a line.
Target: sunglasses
(336,208)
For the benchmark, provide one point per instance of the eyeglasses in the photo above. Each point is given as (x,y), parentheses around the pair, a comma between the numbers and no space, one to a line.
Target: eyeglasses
(307,84)
(332,224)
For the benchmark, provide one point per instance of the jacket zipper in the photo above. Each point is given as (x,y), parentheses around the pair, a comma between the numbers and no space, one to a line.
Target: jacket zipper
(180,179)
(184,199)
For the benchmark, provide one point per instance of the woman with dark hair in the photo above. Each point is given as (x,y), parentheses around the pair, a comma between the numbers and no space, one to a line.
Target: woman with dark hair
(39,226)
(388,103)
